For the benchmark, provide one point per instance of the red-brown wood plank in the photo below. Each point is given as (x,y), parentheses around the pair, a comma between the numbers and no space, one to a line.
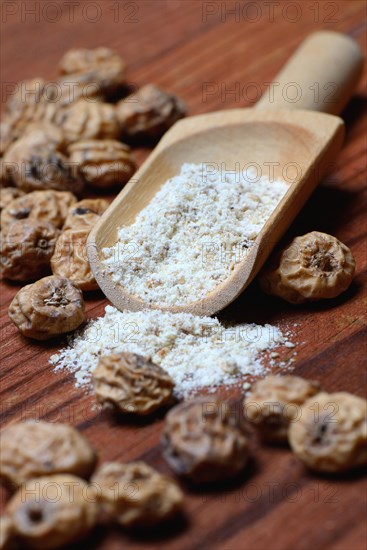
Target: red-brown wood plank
(180,45)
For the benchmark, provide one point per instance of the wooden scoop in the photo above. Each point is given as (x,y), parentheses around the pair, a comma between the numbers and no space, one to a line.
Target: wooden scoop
(299,144)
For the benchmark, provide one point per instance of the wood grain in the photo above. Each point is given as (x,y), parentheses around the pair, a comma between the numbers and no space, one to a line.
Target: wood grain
(277,504)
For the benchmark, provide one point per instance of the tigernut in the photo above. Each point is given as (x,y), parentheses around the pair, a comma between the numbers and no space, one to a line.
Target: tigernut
(26,250)
(100,65)
(136,495)
(203,441)
(70,259)
(8,194)
(51,512)
(274,402)
(88,120)
(85,214)
(330,434)
(102,163)
(131,383)
(47,308)
(149,112)
(36,448)
(44,206)
(312,267)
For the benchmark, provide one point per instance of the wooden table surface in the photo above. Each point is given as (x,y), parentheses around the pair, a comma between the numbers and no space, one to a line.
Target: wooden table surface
(182,46)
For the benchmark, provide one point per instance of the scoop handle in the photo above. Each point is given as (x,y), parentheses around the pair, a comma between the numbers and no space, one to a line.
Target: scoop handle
(320,76)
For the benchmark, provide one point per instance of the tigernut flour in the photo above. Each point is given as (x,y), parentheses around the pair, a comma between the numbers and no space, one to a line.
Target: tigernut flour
(192,234)
(197,352)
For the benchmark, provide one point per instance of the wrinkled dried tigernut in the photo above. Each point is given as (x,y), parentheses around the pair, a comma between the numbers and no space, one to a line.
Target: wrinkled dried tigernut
(203,441)
(26,250)
(88,120)
(149,112)
(22,108)
(85,214)
(48,169)
(36,137)
(101,65)
(131,383)
(44,133)
(275,401)
(36,448)
(44,105)
(18,123)
(136,495)
(41,168)
(71,88)
(28,92)
(53,511)
(102,163)
(70,259)
(47,308)
(50,206)
(35,162)
(19,118)
(8,194)
(330,434)
(312,267)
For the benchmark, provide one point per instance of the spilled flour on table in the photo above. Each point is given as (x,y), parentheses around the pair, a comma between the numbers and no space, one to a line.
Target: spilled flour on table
(197,352)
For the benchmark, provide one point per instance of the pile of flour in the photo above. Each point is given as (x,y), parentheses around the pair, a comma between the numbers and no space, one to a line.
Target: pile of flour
(197,352)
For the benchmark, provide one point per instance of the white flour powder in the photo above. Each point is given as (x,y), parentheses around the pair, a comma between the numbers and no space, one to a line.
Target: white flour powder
(197,352)
(192,234)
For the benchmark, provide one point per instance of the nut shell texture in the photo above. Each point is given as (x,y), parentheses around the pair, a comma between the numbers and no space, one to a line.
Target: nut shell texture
(41,168)
(71,88)
(202,440)
(88,120)
(47,308)
(36,448)
(149,112)
(85,214)
(53,511)
(38,134)
(331,433)
(136,495)
(27,92)
(24,109)
(312,267)
(131,383)
(103,163)
(101,65)
(19,124)
(28,161)
(48,206)
(70,259)
(26,250)
(8,194)
(275,401)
